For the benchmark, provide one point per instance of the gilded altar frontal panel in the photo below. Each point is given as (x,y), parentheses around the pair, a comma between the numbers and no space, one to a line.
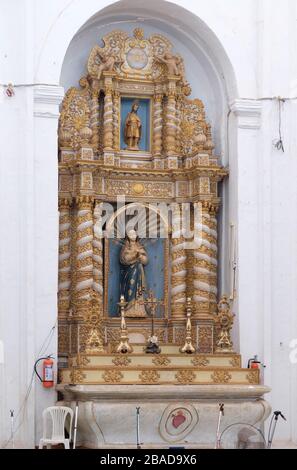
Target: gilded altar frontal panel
(132,132)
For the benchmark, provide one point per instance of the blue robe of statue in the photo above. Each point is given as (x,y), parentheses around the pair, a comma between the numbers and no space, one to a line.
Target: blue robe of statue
(132,279)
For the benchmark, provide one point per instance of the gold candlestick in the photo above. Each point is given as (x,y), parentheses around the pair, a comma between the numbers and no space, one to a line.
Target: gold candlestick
(188,346)
(124,347)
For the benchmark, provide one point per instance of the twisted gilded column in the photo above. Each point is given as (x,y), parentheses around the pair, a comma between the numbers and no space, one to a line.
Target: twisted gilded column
(213,246)
(97,253)
(205,262)
(116,123)
(64,281)
(108,119)
(94,119)
(170,132)
(178,266)
(157,125)
(83,251)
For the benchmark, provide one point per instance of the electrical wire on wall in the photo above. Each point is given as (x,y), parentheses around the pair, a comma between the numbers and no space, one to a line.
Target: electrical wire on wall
(21,412)
(278,143)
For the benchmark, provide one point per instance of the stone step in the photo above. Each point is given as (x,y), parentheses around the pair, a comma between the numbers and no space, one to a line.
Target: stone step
(166,348)
(158,376)
(157,360)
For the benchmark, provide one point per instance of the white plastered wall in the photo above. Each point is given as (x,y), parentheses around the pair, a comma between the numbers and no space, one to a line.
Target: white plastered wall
(246,54)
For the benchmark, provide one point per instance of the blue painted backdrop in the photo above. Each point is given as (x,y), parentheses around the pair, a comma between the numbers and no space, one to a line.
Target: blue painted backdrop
(144,114)
(154,272)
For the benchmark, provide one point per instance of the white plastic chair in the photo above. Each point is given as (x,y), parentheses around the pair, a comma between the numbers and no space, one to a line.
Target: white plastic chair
(58,415)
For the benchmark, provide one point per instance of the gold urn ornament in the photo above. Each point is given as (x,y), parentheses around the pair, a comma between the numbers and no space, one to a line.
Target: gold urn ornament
(224,322)
(86,134)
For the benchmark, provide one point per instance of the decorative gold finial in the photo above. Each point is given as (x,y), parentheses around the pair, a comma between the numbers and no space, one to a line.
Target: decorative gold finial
(94,343)
(188,346)
(124,346)
(138,33)
(86,134)
(224,321)
(64,137)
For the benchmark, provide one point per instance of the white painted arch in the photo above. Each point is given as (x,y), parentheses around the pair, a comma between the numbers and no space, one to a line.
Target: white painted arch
(191,19)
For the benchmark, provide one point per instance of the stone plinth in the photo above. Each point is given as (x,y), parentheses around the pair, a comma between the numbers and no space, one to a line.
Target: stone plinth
(170,415)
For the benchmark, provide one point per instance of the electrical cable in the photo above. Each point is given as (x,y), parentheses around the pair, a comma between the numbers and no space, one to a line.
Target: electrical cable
(43,347)
(25,85)
(279,144)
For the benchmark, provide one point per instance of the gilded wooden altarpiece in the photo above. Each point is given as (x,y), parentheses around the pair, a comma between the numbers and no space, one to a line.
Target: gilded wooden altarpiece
(177,166)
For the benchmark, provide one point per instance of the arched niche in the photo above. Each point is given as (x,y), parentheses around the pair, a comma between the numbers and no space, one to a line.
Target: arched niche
(208,68)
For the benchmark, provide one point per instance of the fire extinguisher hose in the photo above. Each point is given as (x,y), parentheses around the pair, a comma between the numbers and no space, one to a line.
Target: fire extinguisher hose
(36,362)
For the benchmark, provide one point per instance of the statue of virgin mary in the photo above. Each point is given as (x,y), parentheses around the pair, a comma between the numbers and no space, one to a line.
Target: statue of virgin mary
(133,258)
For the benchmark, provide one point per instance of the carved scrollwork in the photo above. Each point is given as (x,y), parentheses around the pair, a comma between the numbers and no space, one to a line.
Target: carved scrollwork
(75,115)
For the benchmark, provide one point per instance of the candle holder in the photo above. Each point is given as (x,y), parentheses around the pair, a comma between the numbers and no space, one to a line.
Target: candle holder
(188,347)
(124,347)
(152,304)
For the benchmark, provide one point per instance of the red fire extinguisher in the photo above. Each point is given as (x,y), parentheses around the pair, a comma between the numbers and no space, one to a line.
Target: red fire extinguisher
(253,363)
(47,371)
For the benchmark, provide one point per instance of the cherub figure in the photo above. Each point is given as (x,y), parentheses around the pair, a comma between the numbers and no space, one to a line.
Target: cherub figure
(173,63)
(107,64)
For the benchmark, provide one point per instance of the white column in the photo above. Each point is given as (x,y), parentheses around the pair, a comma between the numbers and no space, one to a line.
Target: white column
(45,230)
(244,187)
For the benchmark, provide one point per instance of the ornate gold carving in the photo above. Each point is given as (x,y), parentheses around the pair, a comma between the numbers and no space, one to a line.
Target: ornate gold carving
(181,165)
(127,188)
(200,361)
(75,114)
(149,376)
(161,361)
(253,376)
(235,362)
(121,361)
(224,321)
(221,377)
(193,127)
(185,377)
(112,376)
(77,376)
(132,57)
(94,342)
(82,360)
(63,339)
(138,188)
(205,339)
(138,33)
